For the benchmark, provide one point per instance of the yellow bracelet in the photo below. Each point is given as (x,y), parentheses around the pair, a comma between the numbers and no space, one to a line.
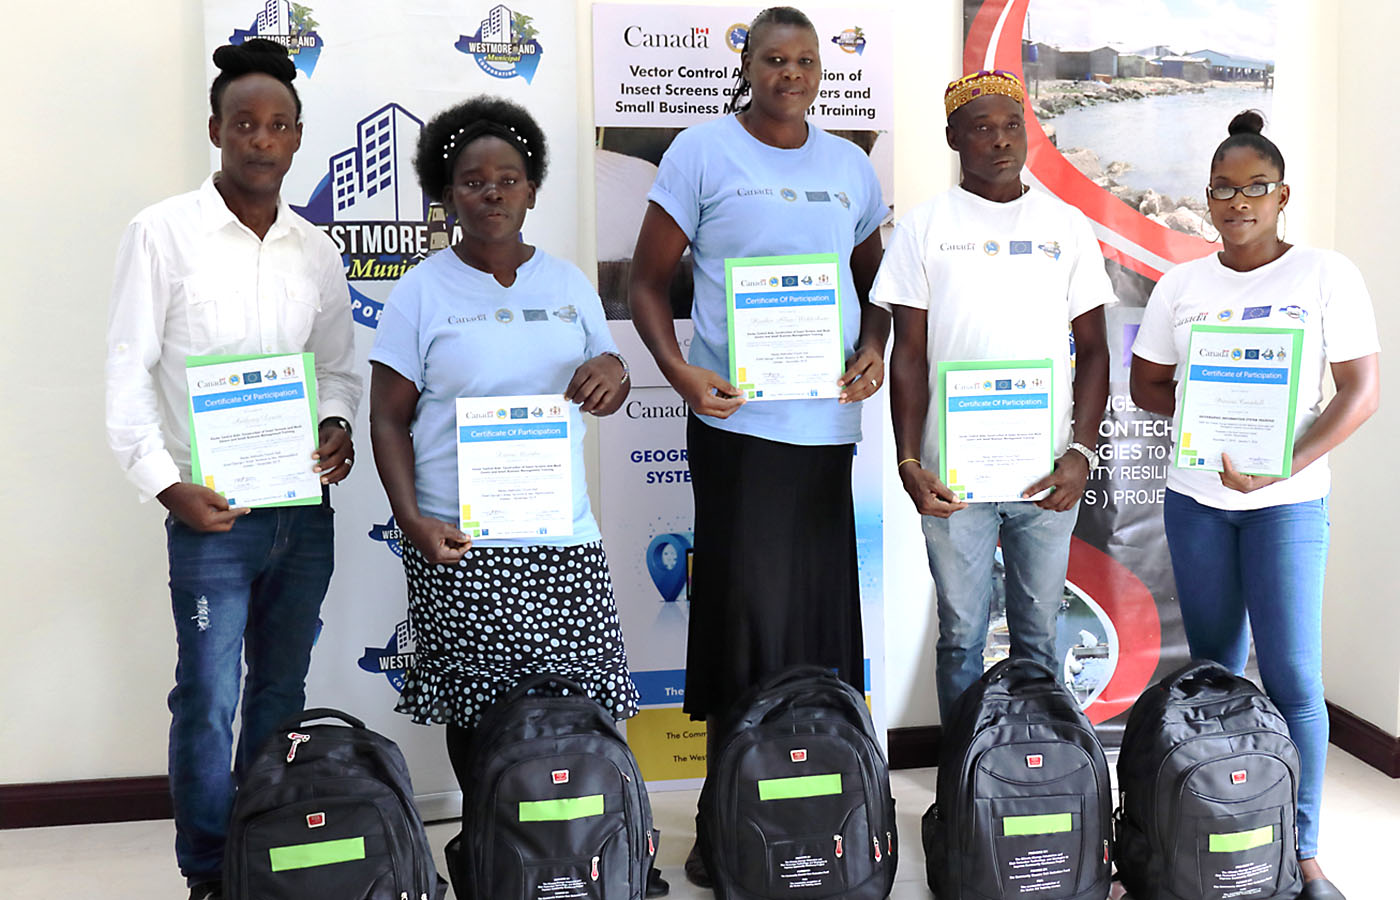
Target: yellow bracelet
(912,459)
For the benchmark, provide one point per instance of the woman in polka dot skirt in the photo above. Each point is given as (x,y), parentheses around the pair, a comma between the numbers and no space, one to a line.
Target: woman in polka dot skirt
(492,317)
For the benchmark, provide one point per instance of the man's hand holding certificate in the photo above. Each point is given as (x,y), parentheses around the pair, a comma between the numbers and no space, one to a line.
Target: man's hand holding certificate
(1239,397)
(785,339)
(253,428)
(515,466)
(996,434)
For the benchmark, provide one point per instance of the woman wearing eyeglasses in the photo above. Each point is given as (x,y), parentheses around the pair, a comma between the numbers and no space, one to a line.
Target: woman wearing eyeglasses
(1249,551)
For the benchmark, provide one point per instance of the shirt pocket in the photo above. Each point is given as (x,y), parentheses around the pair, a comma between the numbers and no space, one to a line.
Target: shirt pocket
(214,314)
(298,314)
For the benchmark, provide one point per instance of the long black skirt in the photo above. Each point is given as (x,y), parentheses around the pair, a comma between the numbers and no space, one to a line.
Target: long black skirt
(774,579)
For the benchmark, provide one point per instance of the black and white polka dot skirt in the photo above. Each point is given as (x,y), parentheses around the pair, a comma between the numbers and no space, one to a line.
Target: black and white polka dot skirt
(506,612)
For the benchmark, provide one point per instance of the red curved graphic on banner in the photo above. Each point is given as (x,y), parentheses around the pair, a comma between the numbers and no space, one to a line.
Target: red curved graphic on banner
(1056,173)
(1129,606)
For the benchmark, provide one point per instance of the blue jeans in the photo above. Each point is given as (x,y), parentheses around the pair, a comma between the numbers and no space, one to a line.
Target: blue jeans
(961,556)
(1261,570)
(254,591)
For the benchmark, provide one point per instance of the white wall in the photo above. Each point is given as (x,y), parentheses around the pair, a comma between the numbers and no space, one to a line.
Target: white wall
(107,118)
(101,119)
(1361,630)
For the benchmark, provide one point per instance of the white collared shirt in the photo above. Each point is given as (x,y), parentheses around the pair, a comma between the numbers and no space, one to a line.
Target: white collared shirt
(191,279)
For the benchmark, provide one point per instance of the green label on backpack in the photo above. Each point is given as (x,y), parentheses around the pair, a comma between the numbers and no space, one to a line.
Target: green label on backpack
(319,853)
(1056,823)
(561,810)
(799,786)
(1241,840)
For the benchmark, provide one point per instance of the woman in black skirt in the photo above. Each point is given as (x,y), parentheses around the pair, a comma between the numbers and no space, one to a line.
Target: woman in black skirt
(774,579)
(492,317)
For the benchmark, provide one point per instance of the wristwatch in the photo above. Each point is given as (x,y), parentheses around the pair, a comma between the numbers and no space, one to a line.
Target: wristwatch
(626,372)
(337,421)
(1088,453)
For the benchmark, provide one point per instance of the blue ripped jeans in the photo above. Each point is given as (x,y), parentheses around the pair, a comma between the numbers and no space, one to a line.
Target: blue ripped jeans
(962,556)
(1261,570)
(252,592)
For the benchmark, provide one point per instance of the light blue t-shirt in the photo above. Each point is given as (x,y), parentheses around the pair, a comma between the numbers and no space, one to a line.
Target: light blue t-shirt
(454,331)
(735,196)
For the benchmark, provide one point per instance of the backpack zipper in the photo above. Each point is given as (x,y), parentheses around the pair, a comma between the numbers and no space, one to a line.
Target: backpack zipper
(840,849)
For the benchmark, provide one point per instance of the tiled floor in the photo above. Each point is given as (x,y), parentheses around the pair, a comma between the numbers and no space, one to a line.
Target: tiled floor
(134,861)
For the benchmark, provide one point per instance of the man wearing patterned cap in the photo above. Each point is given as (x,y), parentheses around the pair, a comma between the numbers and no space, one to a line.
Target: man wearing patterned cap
(993,270)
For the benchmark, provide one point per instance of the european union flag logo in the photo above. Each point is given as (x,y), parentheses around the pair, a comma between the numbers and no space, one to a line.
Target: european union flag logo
(1251,354)
(519,412)
(1020,248)
(789,281)
(252,377)
(1003,384)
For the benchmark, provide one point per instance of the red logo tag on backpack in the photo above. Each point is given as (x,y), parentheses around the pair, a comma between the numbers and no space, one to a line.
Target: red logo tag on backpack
(1035,761)
(798,755)
(560,776)
(1239,777)
(315,820)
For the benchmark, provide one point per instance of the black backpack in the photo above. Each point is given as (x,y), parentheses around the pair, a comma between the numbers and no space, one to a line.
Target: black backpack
(1023,804)
(1208,785)
(797,801)
(556,807)
(327,811)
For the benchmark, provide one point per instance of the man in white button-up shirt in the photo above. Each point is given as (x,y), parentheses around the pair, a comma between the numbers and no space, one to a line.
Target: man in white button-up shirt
(230,269)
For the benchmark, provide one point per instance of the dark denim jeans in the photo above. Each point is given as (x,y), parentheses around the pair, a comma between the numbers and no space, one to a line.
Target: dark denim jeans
(1261,571)
(254,592)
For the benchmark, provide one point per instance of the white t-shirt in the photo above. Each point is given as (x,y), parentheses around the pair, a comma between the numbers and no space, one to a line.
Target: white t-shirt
(999,281)
(1319,291)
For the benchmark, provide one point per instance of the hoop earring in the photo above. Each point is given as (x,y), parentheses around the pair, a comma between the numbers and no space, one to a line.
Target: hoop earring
(1282,231)
(1212,240)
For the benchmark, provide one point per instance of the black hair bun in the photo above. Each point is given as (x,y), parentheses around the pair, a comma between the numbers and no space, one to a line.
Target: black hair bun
(255,55)
(1251,121)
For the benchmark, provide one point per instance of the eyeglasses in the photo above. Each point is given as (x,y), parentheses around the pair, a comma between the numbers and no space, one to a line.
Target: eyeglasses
(1257,189)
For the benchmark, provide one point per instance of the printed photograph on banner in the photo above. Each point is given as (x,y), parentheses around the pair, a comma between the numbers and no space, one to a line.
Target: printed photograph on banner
(1130,93)
(1124,106)
(660,69)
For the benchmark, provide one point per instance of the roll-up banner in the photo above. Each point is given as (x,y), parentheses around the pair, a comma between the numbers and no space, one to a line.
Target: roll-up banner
(1124,108)
(657,70)
(370,76)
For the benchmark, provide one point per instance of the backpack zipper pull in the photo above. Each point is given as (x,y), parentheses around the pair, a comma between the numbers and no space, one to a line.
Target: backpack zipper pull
(651,845)
(297,740)
(840,849)
(1105,851)
(875,839)
(594,873)
(889,843)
